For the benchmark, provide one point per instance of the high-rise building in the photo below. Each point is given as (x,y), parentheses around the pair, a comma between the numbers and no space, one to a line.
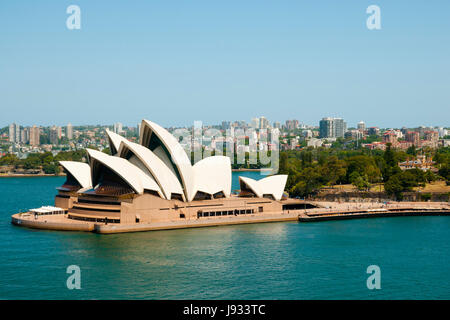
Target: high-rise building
(255,123)
(326,128)
(14,133)
(432,137)
(361,126)
(442,132)
(260,123)
(340,127)
(34,136)
(25,135)
(118,128)
(17,133)
(413,137)
(373,131)
(69,131)
(332,128)
(404,130)
(54,135)
(263,123)
(291,124)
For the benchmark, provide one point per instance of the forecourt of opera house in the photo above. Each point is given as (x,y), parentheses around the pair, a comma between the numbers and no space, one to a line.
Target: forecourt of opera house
(151,186)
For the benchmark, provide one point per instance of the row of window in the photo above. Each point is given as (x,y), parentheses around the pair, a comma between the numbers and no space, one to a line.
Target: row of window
(236,212)
(104,220)
(48,213)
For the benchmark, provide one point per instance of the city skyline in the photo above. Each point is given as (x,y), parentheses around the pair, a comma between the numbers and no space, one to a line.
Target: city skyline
(288,124)
(293,135)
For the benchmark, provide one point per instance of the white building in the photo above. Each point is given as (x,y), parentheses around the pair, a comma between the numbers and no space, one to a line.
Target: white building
(69,131)
(118,128)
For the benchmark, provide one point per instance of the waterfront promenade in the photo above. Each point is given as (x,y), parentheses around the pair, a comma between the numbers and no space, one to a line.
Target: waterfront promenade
(339,211)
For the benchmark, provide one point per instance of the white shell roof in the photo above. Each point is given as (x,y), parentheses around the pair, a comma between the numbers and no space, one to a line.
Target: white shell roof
(273,185)
(80,171)
(177,153)
(114,141)
(131,174)
(166,178)
(212,175)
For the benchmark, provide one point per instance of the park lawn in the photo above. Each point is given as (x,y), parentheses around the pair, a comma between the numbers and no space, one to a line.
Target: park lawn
(351,188)
(436,186)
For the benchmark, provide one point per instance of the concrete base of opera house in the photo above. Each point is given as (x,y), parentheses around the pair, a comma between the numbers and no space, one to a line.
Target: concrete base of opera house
(324,211)
(61,222)
(54,222)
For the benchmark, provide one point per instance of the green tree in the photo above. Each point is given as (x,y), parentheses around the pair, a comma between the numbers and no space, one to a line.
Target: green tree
(394,187)
(401,182)
(306,158)
(9,159)
(50,168)
(334,170)
(391,168)
(430,176)
(309,182)
(283,167)
(444,172)
(363,165)
(408,180)
(362,183)
(412,150)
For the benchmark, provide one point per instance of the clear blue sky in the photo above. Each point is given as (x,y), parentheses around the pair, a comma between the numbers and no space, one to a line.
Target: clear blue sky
(178,61)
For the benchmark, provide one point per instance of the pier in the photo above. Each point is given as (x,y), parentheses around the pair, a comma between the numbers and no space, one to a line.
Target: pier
(388,211)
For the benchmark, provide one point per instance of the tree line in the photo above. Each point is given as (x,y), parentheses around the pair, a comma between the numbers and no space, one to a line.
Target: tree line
(311,169)
(45,161)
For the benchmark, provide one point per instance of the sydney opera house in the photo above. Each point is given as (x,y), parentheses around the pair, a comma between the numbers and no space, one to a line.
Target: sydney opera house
(153,185)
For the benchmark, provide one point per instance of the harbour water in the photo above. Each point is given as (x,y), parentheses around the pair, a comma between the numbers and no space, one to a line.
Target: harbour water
(324,260)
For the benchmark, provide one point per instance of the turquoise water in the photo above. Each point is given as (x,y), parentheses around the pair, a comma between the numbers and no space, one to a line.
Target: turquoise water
(325,260)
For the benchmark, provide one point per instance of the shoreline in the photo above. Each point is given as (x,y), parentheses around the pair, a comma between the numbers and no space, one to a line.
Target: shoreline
(38,175)
(251,170)
(30,175)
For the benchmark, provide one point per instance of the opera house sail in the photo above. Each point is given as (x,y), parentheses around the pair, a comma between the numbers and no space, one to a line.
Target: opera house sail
(152,185)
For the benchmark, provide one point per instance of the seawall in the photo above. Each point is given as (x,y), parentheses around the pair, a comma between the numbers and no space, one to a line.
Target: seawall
(342,212)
